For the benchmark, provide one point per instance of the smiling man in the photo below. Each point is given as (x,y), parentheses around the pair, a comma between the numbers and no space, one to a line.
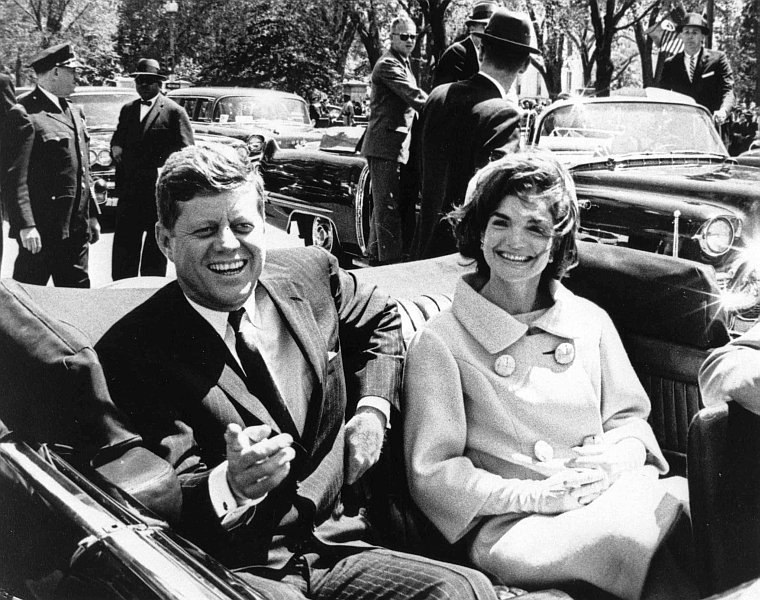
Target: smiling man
(267,381)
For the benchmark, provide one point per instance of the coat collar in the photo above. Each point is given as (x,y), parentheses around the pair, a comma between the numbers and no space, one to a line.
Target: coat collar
(495,329)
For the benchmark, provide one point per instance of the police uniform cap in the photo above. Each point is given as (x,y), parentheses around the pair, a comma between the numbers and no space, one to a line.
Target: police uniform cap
(61,55)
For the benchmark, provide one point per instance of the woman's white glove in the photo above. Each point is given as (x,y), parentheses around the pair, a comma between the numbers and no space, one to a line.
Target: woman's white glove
(568,490)
(628,454)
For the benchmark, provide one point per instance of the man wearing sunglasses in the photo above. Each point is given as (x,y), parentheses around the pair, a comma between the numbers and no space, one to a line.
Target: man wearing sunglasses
(149,130)
(46,183)
(394,102)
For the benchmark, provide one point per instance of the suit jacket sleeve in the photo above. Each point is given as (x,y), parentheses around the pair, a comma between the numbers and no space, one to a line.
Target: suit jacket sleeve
(733,373)
(370,336)
(394,75)
(726,77)
(121,128)
(183,128)
(666,78)
(17,142)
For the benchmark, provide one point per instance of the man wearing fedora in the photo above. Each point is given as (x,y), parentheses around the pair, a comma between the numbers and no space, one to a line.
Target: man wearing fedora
(149,130)
(703,74)
(460,60)
(462,123)
(46,183)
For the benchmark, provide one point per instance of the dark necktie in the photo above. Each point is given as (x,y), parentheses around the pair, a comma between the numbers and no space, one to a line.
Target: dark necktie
(258,376)
(65,108)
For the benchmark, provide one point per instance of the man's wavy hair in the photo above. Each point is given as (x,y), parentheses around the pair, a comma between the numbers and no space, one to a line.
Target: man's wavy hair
(197,170)
(530,176)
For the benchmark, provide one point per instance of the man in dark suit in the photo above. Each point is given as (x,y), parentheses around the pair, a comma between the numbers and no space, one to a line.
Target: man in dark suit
(149,130)
(46,183)
(703,74)
(250,407)
(394,101)
(460,60)
(7,100)
(462,123)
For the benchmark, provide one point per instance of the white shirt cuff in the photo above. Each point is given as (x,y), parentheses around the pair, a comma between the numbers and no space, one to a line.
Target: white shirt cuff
(224,502)
(377,403)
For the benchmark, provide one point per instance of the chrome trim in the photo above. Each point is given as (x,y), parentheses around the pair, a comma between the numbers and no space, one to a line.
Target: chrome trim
(359,210)
(676,238)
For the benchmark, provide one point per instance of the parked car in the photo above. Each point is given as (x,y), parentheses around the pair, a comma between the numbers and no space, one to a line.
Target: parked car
(750,158)
(652,173)
(251,115)
(101,106)
(324,188)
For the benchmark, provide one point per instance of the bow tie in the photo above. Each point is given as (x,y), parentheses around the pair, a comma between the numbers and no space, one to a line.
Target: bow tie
(145,102)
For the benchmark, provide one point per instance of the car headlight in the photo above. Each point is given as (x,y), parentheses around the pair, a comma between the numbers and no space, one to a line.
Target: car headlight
(717,236)
(104,158)
(255,144)
(742,292)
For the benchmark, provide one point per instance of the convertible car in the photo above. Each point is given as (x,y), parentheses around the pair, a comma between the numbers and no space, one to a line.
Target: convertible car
(86,511)
(650,170)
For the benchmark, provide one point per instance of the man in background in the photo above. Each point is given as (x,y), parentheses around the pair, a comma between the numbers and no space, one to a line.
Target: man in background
(460,60)
(462,123)
(149,130)
(46,185)
(703,74)
(394,103)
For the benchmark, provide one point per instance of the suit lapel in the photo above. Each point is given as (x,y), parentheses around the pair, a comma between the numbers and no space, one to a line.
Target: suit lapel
(205,357)
(152,114)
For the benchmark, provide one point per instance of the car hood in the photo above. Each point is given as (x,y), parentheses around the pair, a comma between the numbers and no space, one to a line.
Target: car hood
(693,188)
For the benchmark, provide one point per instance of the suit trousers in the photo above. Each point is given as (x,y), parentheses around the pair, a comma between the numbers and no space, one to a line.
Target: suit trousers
(385,236)
(136,217)
(66,261)
(376,574)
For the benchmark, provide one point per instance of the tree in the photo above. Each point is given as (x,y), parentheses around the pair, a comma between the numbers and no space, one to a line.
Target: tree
(28,26)
(606,23)
(746,61)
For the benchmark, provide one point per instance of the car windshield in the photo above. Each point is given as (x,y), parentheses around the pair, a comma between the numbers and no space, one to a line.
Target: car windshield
(102,110)
(582,130)
(247,109)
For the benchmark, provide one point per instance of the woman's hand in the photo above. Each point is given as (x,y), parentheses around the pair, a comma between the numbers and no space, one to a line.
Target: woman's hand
(628,454)
(568,490)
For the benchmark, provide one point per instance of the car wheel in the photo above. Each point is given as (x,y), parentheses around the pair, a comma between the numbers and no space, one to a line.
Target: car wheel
(322,234)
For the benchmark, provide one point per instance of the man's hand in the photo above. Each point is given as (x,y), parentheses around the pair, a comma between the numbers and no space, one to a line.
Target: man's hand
(116,154)
(720,116)
(93,229)
(364,441)
(257,464)
(30,239)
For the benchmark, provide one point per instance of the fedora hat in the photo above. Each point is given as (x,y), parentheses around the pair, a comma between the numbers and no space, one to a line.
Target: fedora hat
(61,55)
(693,20)
(148,67)
(510,30)
(481,12)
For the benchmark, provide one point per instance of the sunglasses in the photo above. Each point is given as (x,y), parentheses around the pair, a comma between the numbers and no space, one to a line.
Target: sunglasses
(146,80)
(406,36)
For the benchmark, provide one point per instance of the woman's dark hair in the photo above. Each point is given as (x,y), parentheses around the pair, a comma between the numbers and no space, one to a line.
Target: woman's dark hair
(530,176)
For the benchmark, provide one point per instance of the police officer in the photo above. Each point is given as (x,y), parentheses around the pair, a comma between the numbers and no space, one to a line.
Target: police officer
(46,183)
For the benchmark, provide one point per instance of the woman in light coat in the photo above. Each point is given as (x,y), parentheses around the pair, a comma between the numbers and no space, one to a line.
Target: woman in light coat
(525,425)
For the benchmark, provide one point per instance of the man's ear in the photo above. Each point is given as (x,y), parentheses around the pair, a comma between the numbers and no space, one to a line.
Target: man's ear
(164,241)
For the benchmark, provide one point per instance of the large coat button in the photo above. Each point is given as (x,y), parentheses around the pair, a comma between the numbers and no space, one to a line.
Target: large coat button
(564,354)
(543,451)
(504,365)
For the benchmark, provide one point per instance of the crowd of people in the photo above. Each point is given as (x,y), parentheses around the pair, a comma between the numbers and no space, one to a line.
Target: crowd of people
(268,379)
